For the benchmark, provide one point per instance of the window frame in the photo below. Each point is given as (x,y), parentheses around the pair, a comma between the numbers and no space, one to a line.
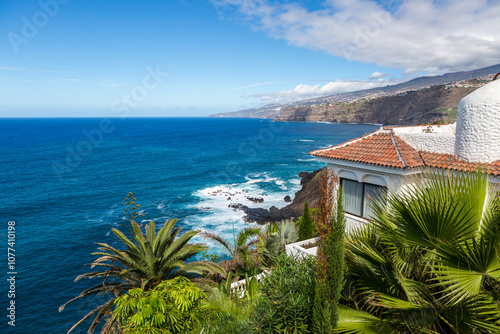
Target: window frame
(362,196)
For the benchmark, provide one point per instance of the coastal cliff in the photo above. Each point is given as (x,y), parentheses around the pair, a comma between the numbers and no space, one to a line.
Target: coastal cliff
(422,100)
(309,192)
(423,106)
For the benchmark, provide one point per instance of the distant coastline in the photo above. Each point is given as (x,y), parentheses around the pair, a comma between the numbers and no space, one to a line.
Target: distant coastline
(423,100)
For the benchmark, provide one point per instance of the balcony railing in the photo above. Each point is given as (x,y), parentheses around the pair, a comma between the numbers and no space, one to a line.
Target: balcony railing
(238,288)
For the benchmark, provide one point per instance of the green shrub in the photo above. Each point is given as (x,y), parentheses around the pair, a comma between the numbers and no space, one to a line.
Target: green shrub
(306,224)
(171,307)
(223,314)
(287,297)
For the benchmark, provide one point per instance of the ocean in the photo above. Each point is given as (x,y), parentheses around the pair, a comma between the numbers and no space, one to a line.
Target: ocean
(64,182)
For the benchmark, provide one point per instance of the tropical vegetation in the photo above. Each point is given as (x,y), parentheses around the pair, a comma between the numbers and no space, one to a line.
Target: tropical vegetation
(428,263)
(330,270)
(306,224)
(287,297)
(244,258)
(273,240)
(222,313)
(173,306)
(147,260)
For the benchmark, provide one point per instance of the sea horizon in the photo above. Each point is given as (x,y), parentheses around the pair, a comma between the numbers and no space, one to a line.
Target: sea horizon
(184,168)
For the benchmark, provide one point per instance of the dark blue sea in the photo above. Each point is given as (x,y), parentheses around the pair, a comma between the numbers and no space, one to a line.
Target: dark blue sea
(64,181)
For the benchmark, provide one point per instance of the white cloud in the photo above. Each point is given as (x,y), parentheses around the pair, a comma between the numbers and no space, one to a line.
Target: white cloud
(302,91)
(113,84)
(249,86)
(68,79)
(378,75)
(414,35)
(48,80)
(4,68)
(13,69)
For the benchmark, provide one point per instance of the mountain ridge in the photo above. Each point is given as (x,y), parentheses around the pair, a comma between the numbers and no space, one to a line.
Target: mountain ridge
(463,79)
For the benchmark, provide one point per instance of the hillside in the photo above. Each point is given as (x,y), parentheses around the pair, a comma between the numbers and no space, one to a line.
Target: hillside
(269,111)
(391,104)
(428,105)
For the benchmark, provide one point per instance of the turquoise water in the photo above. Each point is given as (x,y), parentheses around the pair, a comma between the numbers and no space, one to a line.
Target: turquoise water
(64,182)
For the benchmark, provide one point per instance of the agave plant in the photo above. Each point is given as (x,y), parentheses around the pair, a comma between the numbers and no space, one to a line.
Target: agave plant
(147,260)
(273,241)
(429,262)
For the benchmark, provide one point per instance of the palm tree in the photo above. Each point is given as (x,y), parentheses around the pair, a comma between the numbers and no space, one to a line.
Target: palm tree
(243,257)
(148,260)
(428,263)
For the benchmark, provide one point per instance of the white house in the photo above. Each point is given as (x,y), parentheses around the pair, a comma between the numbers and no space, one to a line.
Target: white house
(390,158)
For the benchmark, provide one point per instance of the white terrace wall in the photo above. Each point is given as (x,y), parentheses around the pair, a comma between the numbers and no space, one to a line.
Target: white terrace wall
(297,248)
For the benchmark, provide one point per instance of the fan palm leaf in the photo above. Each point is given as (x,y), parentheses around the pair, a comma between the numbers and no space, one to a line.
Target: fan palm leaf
(429,260)
(358,322)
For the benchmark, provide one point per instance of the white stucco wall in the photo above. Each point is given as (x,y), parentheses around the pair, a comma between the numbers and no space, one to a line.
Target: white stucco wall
(478,125)
(392,178)
(437,128)
(431,142)
(433,138)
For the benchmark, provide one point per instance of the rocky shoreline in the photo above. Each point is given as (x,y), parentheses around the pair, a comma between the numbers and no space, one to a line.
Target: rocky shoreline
(308,192)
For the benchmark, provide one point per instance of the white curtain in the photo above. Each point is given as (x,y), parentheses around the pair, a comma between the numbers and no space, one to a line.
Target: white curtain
(352,192)
(372,194)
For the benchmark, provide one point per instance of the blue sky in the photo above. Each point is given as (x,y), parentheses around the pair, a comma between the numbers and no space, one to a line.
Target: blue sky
(95,58)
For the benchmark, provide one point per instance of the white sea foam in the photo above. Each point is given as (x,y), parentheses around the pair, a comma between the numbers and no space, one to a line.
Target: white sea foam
(216,215)
(267,179)
(310,159)
(306,139)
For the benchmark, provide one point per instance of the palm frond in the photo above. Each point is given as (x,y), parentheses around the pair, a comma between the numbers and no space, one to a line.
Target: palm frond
(358,322)
(217,238)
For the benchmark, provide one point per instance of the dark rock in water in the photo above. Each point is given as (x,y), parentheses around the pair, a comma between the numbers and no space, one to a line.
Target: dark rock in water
(302,175)
(309,192)
(273,210)
(256,215)
(256,199)
(287,199)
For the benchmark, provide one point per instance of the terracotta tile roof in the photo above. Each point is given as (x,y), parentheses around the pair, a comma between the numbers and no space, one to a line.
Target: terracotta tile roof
(449,161)
(384,148)
(381,147)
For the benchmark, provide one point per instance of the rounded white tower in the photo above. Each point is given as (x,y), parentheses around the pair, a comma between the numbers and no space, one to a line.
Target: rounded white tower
(478,125)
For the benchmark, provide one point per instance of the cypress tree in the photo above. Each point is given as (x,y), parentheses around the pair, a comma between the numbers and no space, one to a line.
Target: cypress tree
(331,251)
(306,229)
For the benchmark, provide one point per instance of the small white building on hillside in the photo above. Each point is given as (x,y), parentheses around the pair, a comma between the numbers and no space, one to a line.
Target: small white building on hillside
(389,158)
